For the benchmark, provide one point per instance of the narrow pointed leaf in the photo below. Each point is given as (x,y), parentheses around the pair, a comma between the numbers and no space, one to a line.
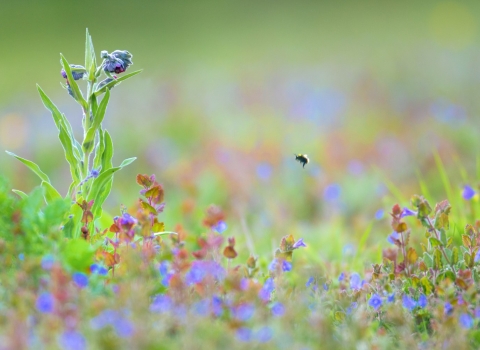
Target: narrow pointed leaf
(128,161)
(73,84)
(116,81)
(50,193)
(22,194)
(34,167)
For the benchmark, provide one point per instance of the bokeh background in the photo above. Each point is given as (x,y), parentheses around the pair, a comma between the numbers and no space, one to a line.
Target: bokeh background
(372,91)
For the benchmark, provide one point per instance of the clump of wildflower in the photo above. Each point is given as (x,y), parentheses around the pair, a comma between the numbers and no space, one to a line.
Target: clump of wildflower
(116,62)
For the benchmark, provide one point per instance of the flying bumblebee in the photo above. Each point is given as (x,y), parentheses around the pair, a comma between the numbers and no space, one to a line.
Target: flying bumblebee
(302,158)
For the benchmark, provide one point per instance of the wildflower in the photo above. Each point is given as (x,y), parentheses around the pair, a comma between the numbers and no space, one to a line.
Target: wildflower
(407,212)
(123,327)
(408,302)
(468,192)
(264,334)
(47,262)
(332,192)
(477,256)
(116,62)
(217,306)
(72,340)
(98,269)
(202,307)
(94,173)
(80,279)
(395,236)
(379,214)
(45,303)
(422,301)
(286,266)
(161,303)
(220,227)
(309,282)
(244,312)
(299,244)
(77,72)
(352,306)
(466,321)
(264,171)
(447,308)
(325,287)
(127,221)
(355,281)
(244,334)
(391,298)
(341,277)
(267,289)
(278,309)
(203,268)
(476,312)
(21,256)
(375,301)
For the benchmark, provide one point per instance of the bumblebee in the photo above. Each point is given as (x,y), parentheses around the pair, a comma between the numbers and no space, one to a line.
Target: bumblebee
(302,158)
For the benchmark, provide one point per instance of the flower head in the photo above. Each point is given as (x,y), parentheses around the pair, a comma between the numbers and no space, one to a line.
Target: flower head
(375,301)
(299,244)
(45,303)
(422,301)
(408,212)
(466,321)
(447,308)
(161,303)
(80,279)
(278,309)
(355,281)
(408,302)
(72,340)
(468,192)
(77,72)
(220,227)
(116,62)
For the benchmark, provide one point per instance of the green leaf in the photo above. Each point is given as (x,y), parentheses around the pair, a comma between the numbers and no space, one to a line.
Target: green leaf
(127,161)
(50,192)
(73,84)
(71,229)
(107,154)
(435,242)
(97,121)
(34,167)
(467,242)
(427,258)
(90,60)
(437,259)
(78,254)
(97,191)
(454,255)
(22,194)
(115,82)
(99,148)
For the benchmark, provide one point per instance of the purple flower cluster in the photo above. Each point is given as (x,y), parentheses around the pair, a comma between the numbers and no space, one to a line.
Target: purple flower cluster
(116,62)
(118,320)
(201,269)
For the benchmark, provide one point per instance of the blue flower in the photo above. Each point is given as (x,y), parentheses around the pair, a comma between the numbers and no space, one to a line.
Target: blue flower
(407,212)
(264,171)
(220,227)
(309,282)
(203,268)
(45,303)
(72,340)
(244,334)
(476,312)
(395,236)
(123,327)
(375,301)
(21,256)
(202,307)
(47,262)
(77,72)
(341,277)
(80,279)
(408,302)
(161,303)
(244,312)
(352,306)
(379,214)
(217,306)
(278,309)
(477,256)
(466,321)
(94,173)
(422,301)
(447,308)
(332,192)
(264,334)
(98,269)
(299,244)
(286,266)
(391,298)
(267,289)
(355,281)
(468,193)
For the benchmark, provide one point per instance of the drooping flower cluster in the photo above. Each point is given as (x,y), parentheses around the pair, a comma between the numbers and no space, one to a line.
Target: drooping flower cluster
(116,62)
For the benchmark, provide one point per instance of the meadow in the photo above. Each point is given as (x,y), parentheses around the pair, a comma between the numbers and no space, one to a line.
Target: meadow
(163,208)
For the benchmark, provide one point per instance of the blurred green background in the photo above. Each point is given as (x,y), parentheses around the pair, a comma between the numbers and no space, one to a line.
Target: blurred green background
(370,90)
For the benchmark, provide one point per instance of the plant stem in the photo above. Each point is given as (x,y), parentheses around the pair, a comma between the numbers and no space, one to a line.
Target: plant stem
(441,245)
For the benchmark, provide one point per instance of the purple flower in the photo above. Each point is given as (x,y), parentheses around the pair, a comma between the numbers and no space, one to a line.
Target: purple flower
(267,289)
(375,301)
(309,282)
(466,321)
(123,327)
(468,193)
(341,277)
(299,244)
(202,307)
(45,303)
(127,221)
(395,236)
(264,334)
(77,72)
(203,268)
(286,266)
(220,227)
(264,171)
(105,318)
(351,307)
(476,312)
(116,62)
(80,279)
(332,192)
(408,302)
(355,281)
(244,334)
(94,173)
(422,301)
(98,269)
(161,303)
(477,256)
(325,287)
(391,298)
(244,312)
(72,340)
(447,308)
(217,306)
(379,214)
(408,212)
(278,309)
(47,262)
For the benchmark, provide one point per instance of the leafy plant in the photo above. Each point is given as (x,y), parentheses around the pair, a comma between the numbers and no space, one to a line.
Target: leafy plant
(90,160)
